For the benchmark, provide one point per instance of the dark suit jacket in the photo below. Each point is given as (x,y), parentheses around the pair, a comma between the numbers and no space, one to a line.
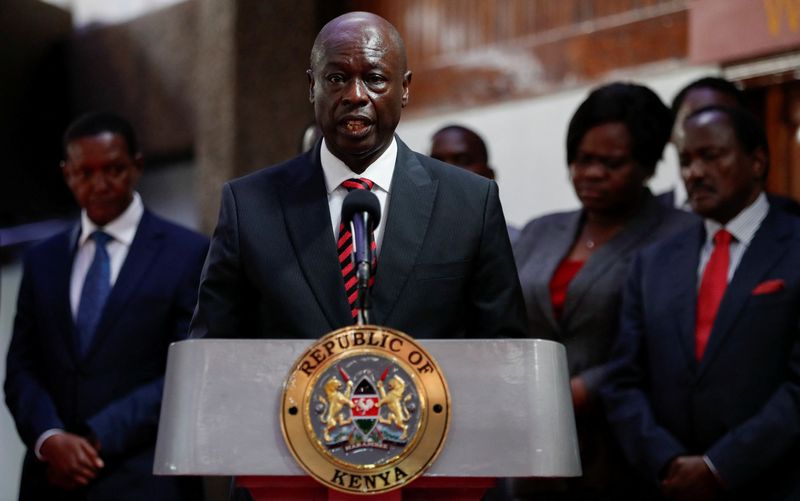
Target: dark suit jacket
(588,326)
(115,390)
(741,404)
(590,317)
(445,269)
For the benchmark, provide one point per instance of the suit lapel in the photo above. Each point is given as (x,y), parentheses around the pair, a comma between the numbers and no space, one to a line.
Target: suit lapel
(61,276)
(765,250)
(618,247)
(308,222)
(680,287)
(562,237)
(144,249)
(410,207)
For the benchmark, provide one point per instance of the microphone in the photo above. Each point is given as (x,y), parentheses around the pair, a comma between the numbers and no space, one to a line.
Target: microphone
(362,211)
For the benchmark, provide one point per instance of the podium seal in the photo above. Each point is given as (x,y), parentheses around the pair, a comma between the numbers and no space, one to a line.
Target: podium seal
(365,410)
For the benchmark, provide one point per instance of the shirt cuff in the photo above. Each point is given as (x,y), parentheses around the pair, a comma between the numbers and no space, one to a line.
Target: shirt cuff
(44,436)
(713,469)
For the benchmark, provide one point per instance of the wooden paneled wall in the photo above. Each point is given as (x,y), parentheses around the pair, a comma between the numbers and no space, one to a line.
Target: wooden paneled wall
(469,52)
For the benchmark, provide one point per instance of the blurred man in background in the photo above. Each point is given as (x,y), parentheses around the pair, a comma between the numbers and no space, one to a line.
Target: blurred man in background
(98,307)
(463,147)
(703,390)
(708,91)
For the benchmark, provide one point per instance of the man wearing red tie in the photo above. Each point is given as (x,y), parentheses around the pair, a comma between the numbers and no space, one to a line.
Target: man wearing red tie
(278,266)
(704,390)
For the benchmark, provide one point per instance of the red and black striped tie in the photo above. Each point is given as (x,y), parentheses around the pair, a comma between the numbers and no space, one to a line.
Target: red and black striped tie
(345,247)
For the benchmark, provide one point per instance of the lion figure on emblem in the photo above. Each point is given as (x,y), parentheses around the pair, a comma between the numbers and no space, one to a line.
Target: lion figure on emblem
(336,401)
(397,413)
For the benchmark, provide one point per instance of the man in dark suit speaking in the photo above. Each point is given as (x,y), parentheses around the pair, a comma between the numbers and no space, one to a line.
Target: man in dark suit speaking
(704,386)
(444,266)
(97,309)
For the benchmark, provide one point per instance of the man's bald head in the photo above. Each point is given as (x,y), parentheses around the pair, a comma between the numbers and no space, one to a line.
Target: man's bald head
(359,84)
(370,26)
(462,147)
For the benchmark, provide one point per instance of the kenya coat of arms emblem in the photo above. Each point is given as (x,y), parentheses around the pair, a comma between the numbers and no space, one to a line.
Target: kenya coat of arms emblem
(365,410)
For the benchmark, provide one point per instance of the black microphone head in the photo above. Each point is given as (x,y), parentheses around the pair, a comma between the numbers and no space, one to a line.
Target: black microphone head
(361,201)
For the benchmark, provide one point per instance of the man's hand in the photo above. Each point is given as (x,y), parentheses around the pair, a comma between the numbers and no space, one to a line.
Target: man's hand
(689,478)
(72,460)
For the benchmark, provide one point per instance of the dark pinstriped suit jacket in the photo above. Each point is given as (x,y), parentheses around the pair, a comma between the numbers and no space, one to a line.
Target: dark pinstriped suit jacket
(445,269)
(740,405)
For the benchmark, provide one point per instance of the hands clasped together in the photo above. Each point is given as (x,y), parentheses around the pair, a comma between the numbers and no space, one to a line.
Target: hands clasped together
(72,461)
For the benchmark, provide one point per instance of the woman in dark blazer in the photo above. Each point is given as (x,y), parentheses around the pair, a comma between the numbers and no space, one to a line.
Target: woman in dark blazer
(572,265)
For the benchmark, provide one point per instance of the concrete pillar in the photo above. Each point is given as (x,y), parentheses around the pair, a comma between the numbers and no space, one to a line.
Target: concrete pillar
(252,102)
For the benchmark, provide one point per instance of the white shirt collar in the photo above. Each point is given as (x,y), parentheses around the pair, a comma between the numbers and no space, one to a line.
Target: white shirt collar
(744,226)
(122,229)
(380,171)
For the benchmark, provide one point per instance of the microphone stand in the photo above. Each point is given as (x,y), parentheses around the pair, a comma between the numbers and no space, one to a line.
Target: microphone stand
(361,247)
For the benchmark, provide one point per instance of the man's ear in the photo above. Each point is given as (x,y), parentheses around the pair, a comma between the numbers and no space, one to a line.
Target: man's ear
(63,166)
(310,75)
(406,84)
(138,164)
(138,161)
(760,164)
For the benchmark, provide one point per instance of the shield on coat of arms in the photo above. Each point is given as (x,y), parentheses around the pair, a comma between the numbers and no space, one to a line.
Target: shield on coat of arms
(365,408)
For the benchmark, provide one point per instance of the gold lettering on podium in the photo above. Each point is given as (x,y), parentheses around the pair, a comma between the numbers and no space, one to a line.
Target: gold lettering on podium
(365,409)
(370,482)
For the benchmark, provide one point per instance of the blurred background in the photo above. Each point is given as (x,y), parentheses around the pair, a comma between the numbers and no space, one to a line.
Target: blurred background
(217,89)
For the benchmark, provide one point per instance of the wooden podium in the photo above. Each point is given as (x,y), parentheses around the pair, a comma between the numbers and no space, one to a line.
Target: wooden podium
(511,417)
